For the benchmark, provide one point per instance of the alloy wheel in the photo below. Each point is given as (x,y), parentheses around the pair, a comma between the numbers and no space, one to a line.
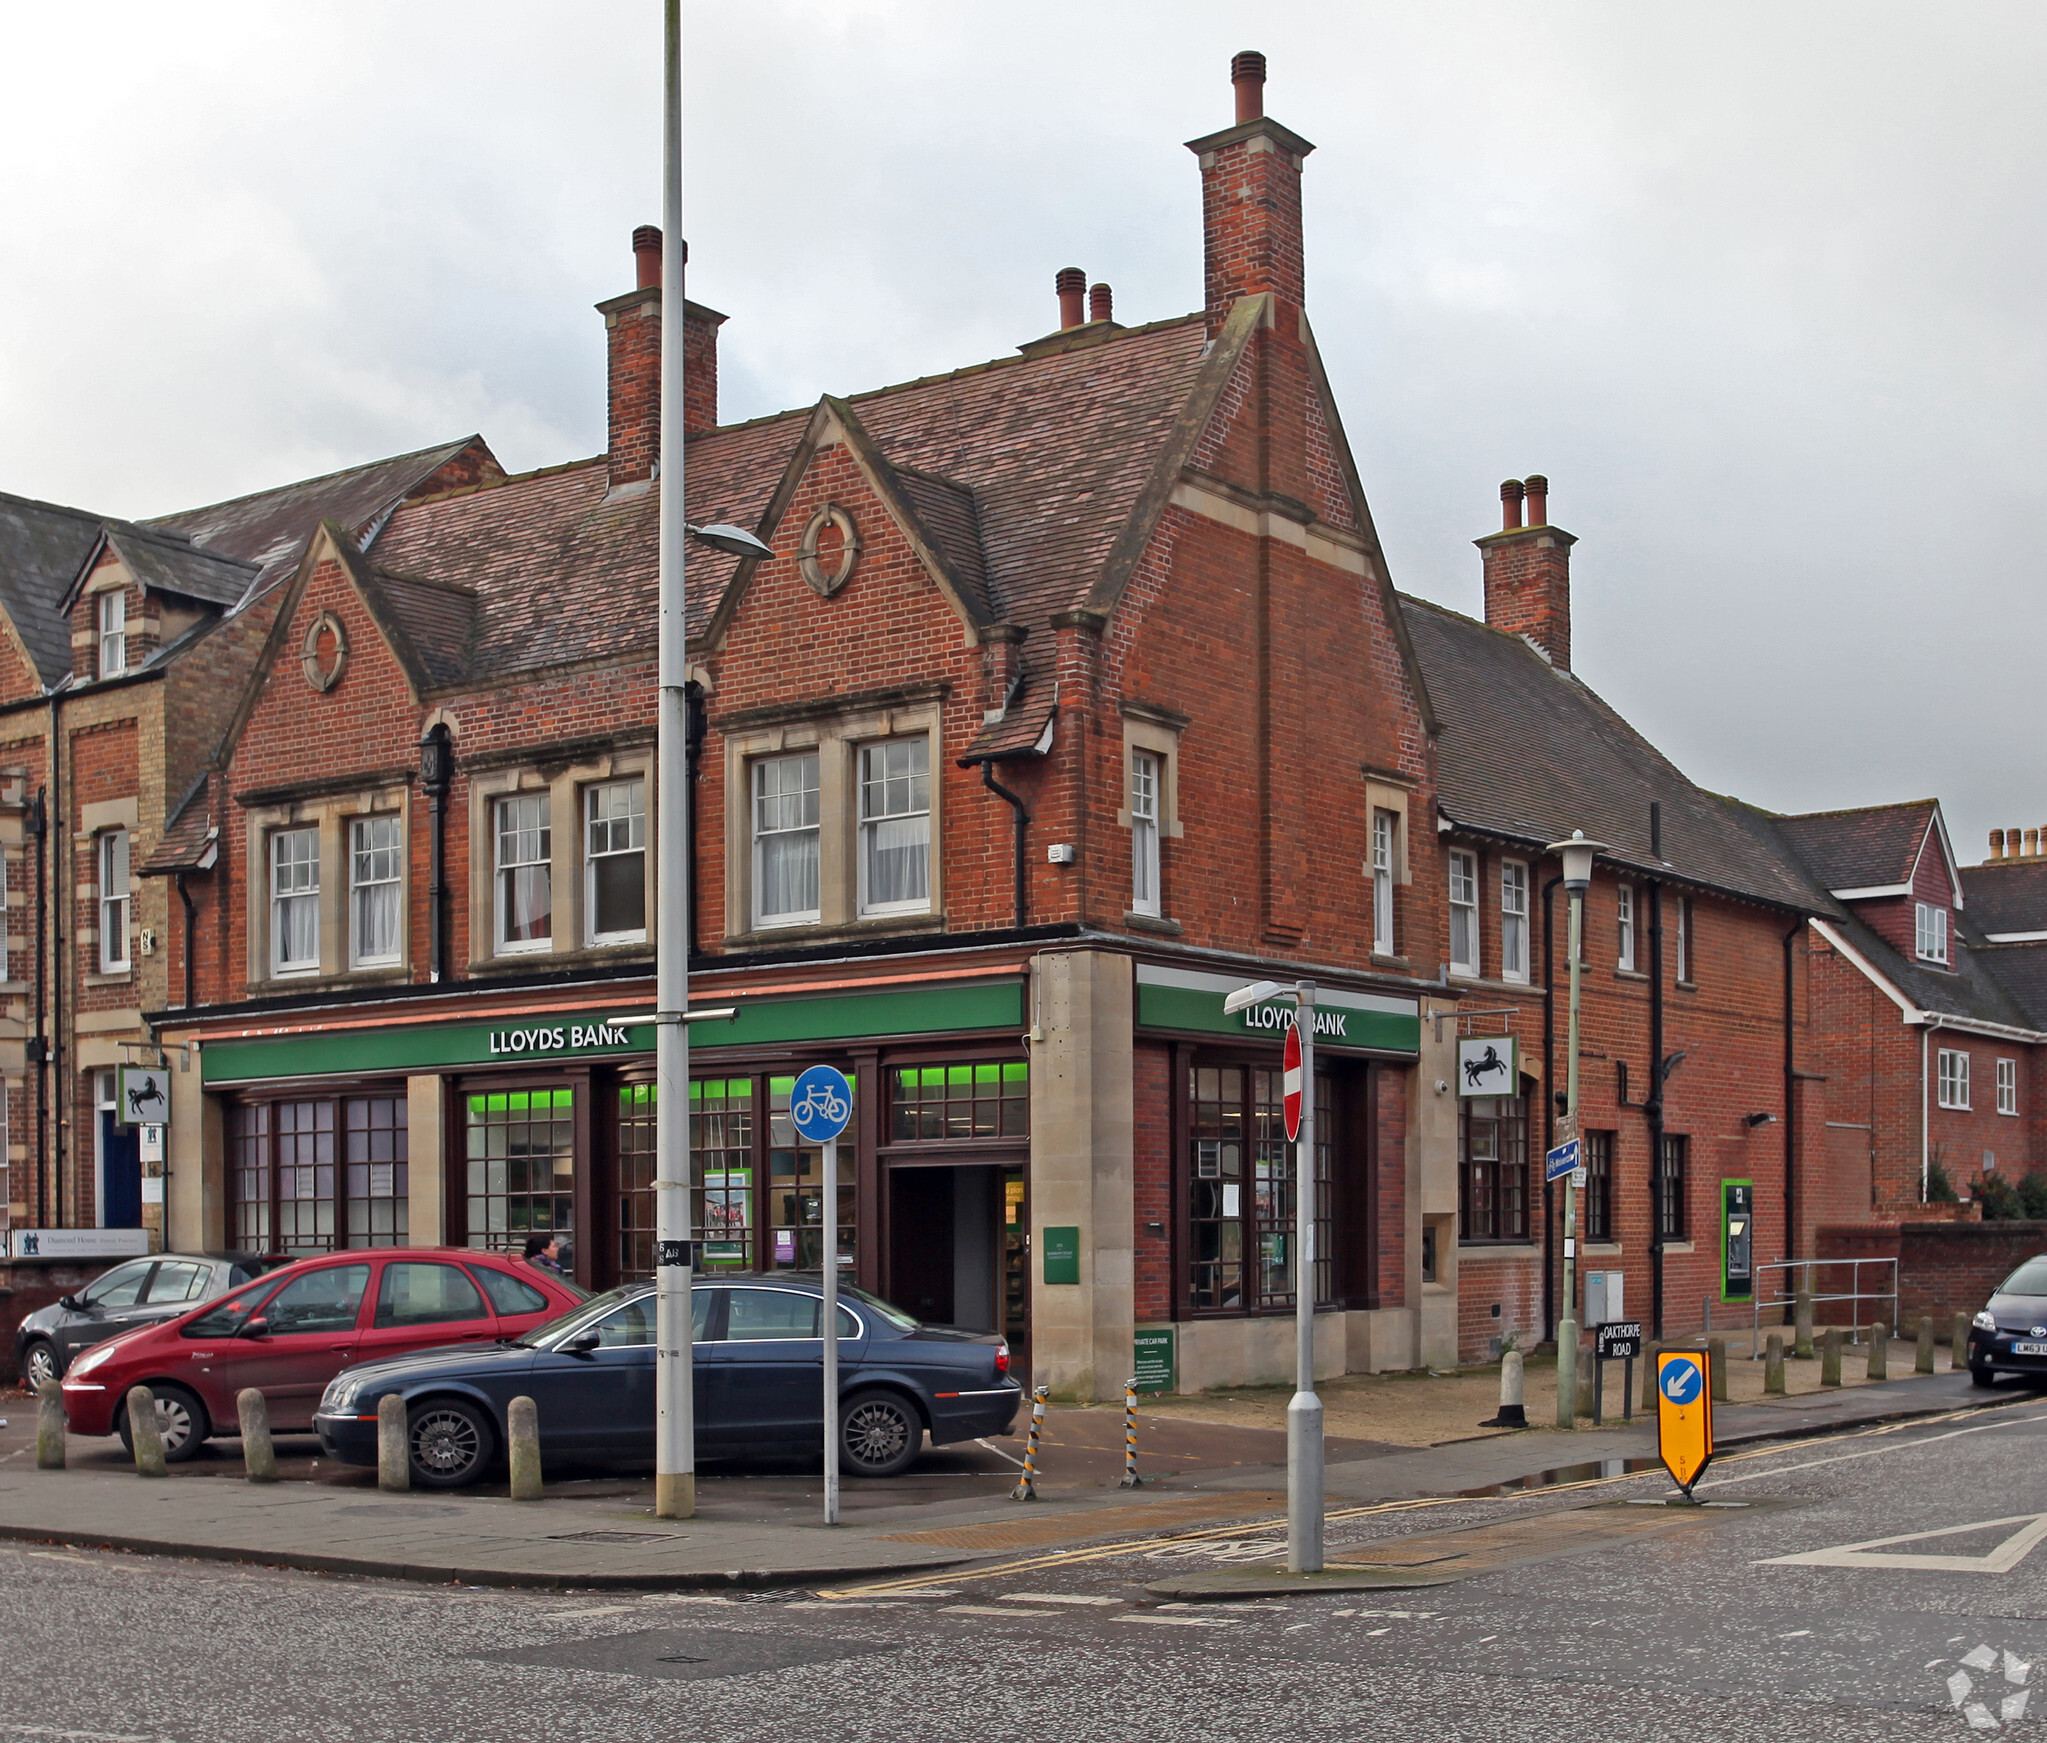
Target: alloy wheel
(446,1443)
(875,1433)
(39,1364)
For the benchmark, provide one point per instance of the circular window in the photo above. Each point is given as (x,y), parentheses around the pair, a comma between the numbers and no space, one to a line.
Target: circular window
(323,655)
(830,548)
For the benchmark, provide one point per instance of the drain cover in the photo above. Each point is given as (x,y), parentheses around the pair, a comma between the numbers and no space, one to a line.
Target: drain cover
(611,1536)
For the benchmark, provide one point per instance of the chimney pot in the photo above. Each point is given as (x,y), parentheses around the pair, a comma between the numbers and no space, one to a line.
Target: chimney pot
(1071,284)
(1510,505)
(647,256)
(2032,843)
(1247,73)
(1100,301)
(1537,487)
(1997,844)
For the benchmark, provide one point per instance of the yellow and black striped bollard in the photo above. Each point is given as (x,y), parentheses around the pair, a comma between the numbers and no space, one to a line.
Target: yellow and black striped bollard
(1027,1485)
(1131,1480)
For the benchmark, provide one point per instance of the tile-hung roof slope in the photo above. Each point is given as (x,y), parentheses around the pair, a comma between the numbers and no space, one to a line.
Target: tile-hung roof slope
(188,837)
(2007,896)
(42,545)
(1871,848)
(1044,457)
(1529,752)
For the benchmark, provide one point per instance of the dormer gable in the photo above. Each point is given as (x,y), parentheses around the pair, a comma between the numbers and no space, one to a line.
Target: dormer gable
(140,591)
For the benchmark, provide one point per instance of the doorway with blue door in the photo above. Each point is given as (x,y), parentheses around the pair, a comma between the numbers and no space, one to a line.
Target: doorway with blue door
(120,1159)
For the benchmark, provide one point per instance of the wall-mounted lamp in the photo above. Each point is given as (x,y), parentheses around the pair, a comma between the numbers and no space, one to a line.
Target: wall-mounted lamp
(1754,1120)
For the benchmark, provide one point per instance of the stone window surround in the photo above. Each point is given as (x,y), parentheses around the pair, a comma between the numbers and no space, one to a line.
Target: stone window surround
(1158,731)
(837,738)
(331,815)
(568,888)
(95,820)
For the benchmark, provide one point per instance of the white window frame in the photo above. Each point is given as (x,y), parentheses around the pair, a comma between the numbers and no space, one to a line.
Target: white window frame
(1952,1079)
(1624,927)
(110,614)
(362,891)
(1463,875)
(115,897)
(760,836)
(635,821)
(502,870)
(869,825)
(1684,940)
(1514,952)
(2008,1086)
(281,893)
(1385,860)
(1929,932)
(1147,783)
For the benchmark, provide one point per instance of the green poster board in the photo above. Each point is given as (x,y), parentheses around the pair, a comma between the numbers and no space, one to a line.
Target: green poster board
(1155,1358)
(1062,1255)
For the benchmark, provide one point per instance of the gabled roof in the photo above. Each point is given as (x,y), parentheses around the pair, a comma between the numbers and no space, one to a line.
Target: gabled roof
(1973,988)
(1529,752)
(1872,847)
(42,545)
(2007,895)
(168,563)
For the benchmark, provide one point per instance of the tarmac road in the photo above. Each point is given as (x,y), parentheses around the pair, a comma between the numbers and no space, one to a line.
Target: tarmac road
(1577,1615)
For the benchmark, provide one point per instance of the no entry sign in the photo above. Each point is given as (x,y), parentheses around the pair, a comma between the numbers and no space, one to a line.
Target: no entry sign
(1293,1080)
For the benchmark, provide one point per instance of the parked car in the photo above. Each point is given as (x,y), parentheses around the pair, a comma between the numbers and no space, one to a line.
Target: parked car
(134,1292)
(289,1333)
(2010,1334)
(759,1372)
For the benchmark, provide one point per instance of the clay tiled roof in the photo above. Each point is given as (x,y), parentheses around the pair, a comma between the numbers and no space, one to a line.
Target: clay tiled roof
(1870,847)
(439,619)
(1530,753)
(2007,895)
(42,545)
(1020,730)
(188,837)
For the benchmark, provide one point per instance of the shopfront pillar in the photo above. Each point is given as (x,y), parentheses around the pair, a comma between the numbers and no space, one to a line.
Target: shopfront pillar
(1082,1173)
(426,1136)
(194,1205)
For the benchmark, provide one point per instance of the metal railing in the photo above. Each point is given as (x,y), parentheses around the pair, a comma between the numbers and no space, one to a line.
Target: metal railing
(1788,1293)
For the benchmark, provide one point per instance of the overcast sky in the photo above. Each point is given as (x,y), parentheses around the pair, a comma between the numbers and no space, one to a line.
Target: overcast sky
(1759,288)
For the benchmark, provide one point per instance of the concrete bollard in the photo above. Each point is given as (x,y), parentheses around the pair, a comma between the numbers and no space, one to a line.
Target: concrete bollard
(1830,1356)
(1587,1384)
(1773,1364)
(259,1457)
(1958,1342)
(49,1426)
(1801,1345)
(1879,1351)
(1513,1407)
(394,1461)
(144,1432)
(1923,1364)
(522,1430)
(1716,1365)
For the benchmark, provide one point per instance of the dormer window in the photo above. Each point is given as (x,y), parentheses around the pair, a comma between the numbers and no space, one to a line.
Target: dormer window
(1929,933)
(113,633)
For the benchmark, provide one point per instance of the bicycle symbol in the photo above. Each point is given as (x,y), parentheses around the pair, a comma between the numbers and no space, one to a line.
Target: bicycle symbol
(821,1103)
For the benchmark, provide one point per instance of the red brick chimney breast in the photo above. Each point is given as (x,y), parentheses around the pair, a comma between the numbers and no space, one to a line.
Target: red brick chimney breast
(1528,572)
(633,366)
(1250,201)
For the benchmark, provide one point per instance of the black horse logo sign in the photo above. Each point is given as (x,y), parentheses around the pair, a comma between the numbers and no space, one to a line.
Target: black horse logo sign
(146,1100)
(1479,1067)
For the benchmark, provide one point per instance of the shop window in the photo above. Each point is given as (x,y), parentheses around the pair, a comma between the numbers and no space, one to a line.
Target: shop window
(990,1100)
(375,862)
(1670,1187)
(615,861)
(895,826)
(785,840)
(796,1191)
(1598,1157)
(1242,1197)
(1463,913)
(377,1180)
(113,904)
(721,1136)
(248,1181)
(306,1176)
(1492,1169)
(525,891)
(1624,927)
(521,1164)
(1144,833)
(294,901)
(113,633)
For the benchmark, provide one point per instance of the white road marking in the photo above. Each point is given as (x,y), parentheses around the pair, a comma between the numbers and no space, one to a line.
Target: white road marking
(1877,1552)
(81,1736)
(1801,1633)
(992,1610)
(1180,1621)
(600,1610)
(1870,1452)
(1374,1633)
(1054,1598)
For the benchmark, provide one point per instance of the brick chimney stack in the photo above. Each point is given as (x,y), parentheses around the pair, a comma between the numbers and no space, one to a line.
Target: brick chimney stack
(1251,203)
(1528,571)
(633,333)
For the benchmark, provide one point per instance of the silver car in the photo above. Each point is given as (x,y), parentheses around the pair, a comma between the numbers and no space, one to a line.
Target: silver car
(134,1292)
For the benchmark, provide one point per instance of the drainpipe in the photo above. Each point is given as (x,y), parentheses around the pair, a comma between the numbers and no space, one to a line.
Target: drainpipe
(436,772)
(1925,1111)
(39,1056)
(1549,1100)
(191,926)
(1023,822)
(1790,1097)
(57,864)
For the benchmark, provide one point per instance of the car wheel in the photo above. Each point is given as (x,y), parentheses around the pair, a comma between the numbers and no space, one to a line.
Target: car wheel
(180,1420)
(39,1363)
(880,1434)
(451,1443)
(1982,1376)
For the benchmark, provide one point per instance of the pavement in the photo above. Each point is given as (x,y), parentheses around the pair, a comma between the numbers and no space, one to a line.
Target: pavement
(762,1526)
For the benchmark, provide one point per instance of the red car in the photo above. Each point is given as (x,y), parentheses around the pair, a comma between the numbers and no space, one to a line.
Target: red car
(292,1331)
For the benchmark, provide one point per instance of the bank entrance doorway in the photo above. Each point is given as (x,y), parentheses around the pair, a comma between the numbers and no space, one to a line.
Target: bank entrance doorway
(958,1247)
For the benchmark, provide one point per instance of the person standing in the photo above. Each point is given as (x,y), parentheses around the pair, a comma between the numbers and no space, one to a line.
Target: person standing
(544,1252)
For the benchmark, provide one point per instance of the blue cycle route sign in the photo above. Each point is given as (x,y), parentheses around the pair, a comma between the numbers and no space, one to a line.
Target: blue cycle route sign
(1560,1161)
(1682,1381)
(820,1104)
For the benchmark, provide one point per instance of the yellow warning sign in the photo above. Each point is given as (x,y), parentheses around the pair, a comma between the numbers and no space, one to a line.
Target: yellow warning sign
(1684,1414)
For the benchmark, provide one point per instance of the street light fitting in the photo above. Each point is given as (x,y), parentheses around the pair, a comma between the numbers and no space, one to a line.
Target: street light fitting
(1577,857)
(733,541)
(1257,993)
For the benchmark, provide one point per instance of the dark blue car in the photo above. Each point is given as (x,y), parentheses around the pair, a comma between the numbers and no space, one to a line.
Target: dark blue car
(759,1366)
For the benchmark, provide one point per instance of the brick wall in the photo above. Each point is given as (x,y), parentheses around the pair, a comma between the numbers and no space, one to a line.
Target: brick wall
(1943,1267)
(1155,1091)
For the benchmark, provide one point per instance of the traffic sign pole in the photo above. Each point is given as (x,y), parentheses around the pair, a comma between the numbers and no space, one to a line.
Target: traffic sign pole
(1567,1326)
(1304,1411)
(830,1327)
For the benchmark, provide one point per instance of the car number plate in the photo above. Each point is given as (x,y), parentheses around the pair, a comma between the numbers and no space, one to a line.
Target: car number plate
(2029,1349)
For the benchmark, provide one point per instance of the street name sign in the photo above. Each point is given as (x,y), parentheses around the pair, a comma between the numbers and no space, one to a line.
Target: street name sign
(1684,1415)
(1560,1161)
(1619,1339)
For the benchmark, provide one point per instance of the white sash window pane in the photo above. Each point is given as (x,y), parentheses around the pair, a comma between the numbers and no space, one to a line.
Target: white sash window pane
(376,859)
(1513,921)
(895,826)
(294,900)
(525,892)
(1464,913)
(113,882)
(785,821)
(113,623)
(1382,882)
(616,816)
(1144,833)
(1624,926)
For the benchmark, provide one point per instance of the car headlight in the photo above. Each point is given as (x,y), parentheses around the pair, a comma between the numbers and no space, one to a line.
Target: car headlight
(92,1359)
(339,1398)
(1985,1321)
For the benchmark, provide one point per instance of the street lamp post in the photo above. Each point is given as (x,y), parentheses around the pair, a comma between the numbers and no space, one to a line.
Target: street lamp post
(1577,857)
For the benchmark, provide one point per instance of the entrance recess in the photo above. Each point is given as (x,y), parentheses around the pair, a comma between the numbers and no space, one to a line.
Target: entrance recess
(947,1260)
